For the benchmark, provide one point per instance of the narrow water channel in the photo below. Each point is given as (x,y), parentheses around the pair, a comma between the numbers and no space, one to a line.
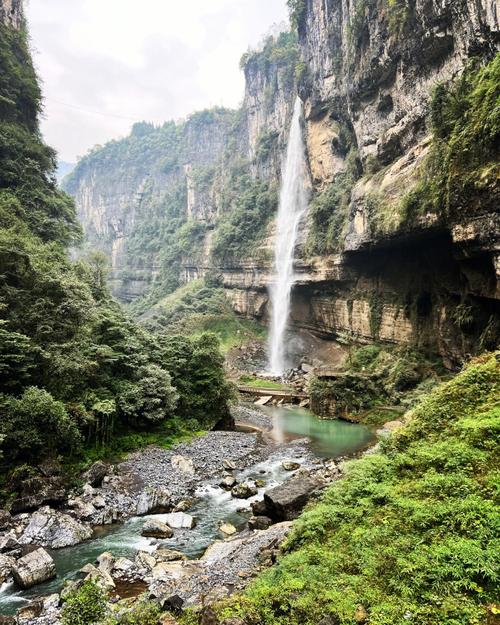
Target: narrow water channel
(326,439)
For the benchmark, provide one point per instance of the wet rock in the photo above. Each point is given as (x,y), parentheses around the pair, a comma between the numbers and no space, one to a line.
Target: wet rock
(157,529)
(105,561)
(180,520)
(153,500)
(173,604)
(183,464)
(243,491)
(259,523)
(289,465)
(6,565)
(27,614)
(183,506)
(55,530)
(5,519)
(123,565)
(227,529)
(100,577)
(169,555)
(34,568)
(9,542)
(260,483)
(145,560)
(227,482)
(259,508)
(286,501)
(96,473)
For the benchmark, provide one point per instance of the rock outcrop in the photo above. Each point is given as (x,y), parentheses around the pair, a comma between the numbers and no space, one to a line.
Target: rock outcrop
(34,568)
(49,528)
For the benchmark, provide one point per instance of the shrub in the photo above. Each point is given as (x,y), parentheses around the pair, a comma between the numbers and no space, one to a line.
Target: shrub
(85,605)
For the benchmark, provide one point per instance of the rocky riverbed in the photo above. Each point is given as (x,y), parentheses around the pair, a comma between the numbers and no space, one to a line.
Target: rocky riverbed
(223,485)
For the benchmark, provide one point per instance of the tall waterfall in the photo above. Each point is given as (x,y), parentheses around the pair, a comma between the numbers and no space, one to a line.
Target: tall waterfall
(292,206)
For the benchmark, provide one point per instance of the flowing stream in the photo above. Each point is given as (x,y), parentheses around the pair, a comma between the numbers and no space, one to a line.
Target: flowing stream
(326,439)
(292,207)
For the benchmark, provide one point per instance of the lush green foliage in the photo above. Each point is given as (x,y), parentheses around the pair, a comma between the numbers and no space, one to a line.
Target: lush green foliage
(279,53)
(329,210)
(374,382)
(28,190)
(75,370)
(85,605)
(410,533)
(461,173)
(250,205)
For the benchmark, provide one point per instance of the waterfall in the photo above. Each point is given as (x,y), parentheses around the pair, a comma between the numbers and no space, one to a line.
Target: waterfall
(292,206)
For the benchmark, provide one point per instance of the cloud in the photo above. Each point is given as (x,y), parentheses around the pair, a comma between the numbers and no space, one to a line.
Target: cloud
(107,63)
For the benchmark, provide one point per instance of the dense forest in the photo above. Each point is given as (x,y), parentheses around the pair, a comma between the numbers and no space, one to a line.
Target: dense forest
(77,374)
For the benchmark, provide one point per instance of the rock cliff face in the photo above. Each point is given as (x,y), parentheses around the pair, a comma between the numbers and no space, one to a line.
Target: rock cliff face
(11,13)
(370,267)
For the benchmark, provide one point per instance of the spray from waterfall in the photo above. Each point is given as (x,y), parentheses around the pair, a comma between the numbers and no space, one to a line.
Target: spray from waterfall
(292,206)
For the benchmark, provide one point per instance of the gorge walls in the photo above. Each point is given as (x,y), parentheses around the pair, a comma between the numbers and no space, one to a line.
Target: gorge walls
(401,239)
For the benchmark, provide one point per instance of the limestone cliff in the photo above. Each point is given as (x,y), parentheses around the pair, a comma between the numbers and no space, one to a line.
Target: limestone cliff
(381,257)
(11,13)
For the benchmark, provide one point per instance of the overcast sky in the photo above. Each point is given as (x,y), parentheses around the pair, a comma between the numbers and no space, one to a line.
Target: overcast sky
(107,63)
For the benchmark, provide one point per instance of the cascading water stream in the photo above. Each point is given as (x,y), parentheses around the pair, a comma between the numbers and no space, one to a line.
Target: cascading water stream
(292,206)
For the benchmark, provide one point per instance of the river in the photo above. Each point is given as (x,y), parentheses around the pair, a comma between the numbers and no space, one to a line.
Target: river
(325,439)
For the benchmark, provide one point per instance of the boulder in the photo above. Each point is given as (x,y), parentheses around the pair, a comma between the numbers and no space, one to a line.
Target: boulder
(285,502)
(34,568)
(259,508)
(101,578)
(123,565)
(227,529)
(9,542)
(144,560)
(5,519)
(229,465)
(183,506)
(243,491)
(8,620)
(168,555)
(180,520)
(96,473)
(157,529)
(227,482)
(106,561)
(290,465)
(153,500)
(183,464)
(6,565)
(49,528)
(259,523)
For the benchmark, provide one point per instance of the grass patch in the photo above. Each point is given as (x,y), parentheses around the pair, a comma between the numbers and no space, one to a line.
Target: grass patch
(248,380)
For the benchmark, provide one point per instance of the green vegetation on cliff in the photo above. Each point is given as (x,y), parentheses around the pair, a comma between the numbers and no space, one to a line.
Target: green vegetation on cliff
(410,534)
(75,371)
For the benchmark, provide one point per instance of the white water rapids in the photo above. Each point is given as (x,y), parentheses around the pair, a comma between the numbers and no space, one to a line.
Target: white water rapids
(292,207)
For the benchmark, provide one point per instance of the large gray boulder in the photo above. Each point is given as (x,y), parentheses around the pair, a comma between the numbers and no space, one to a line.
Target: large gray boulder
(153,500)
(96,473)
(155,528)
(49,528)
(180,520)
(6,565)
(243,491)
(5,519)
(34,568)
(286,501)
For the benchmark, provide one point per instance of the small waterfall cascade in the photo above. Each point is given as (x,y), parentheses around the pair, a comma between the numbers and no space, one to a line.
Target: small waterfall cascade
(292,207)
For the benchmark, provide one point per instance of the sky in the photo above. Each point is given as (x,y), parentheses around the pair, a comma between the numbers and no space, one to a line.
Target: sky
(105,64)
